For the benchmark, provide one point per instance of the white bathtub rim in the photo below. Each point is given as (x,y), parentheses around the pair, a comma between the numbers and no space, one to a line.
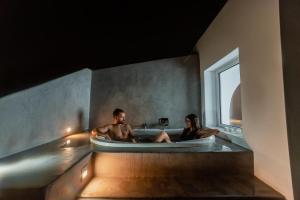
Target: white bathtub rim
(187,143)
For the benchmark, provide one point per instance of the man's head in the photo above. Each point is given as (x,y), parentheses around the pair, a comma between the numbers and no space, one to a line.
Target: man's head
(119,116)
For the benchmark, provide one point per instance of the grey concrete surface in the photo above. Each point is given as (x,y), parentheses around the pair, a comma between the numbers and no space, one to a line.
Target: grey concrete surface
(69,185)
(40,166)
(42,172)
(41,114)
(147,91)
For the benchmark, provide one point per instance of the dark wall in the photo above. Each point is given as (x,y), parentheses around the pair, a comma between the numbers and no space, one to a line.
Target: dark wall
(290,32)
(147,91)
(43,40)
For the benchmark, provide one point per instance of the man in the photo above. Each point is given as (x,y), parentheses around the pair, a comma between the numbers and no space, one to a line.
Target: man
(118,130)
(121,131)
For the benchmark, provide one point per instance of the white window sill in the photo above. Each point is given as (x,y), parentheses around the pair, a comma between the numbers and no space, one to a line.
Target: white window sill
(237,133)
(234,137)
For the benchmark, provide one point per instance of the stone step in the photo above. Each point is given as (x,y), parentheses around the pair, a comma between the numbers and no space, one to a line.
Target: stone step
(174,188)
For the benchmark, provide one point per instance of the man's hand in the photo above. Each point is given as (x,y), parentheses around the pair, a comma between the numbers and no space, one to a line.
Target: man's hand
(93,133)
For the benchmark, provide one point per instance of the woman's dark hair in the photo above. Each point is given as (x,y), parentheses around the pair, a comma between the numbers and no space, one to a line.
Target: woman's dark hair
(194,121)
(117,111)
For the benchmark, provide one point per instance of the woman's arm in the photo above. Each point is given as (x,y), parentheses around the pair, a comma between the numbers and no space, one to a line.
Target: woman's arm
(203,133)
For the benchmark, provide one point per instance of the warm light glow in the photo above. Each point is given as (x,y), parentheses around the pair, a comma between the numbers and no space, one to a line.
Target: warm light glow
(236,122)
(84,173)
(68,130)
(68,142)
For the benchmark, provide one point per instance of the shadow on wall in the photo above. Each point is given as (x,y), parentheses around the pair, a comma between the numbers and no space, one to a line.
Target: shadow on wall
(80,117)
(193,77)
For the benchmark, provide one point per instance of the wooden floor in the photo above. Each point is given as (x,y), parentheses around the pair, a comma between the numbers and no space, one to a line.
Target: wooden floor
(127,188)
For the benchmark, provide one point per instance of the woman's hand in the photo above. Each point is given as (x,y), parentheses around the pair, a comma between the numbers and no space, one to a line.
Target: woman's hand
(133,140)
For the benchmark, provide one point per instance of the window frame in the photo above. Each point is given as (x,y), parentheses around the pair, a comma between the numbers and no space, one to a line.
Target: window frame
(223,68)
(209,99)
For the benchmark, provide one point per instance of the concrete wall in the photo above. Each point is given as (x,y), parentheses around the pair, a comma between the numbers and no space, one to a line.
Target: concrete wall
(290,32)
(254,27)
(41,114)
(147,91)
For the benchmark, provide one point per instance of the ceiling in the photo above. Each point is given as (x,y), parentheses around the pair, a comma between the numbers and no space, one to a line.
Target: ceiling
(42,40)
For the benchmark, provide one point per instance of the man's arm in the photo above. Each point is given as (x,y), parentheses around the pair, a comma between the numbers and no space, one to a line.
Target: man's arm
(100,130)
(131,133)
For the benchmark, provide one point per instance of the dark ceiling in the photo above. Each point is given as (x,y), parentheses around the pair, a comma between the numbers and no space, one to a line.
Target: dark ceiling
(44,39)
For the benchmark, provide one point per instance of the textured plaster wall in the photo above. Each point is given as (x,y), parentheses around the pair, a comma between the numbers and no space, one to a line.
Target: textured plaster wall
(254,27)
(147,91)
(41,114)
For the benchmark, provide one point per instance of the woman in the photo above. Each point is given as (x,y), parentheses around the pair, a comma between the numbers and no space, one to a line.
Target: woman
(193,130)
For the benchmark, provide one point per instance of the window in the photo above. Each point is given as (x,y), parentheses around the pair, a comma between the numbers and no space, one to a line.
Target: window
(222,94)
(230,113)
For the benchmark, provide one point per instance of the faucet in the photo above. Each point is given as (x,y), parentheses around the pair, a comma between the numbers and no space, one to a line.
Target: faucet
(145,125)
(164,122)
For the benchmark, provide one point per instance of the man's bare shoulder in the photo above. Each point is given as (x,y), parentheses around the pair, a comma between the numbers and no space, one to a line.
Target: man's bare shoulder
(107,126)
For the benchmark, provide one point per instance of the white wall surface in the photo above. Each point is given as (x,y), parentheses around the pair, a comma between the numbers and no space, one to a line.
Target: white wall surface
(253,26)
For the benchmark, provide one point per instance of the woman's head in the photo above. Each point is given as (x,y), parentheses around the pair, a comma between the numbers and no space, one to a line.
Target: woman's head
(192,121)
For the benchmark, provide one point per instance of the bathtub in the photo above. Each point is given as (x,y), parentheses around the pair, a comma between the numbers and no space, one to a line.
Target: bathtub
(146,133)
